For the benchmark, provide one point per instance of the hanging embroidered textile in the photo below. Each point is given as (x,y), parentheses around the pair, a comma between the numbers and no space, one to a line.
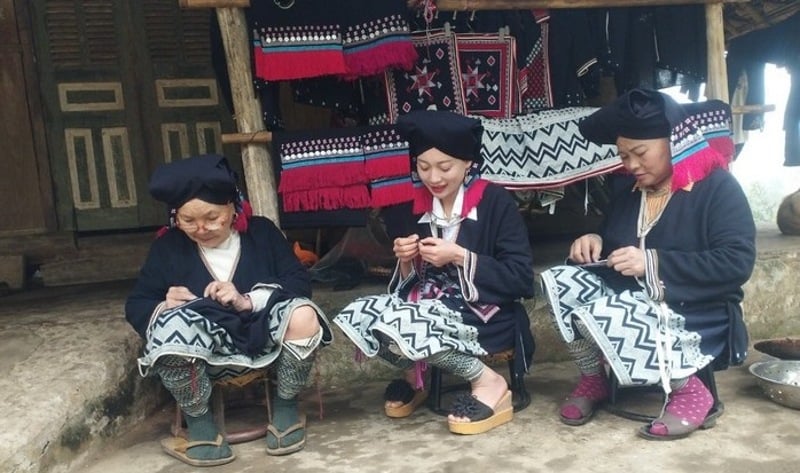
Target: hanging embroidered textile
(322,169)
(313,38)
(434,83)
(295,42)
(488,74)
(543,150)
(388,166)
(376,36)
(342,168)
(535,90)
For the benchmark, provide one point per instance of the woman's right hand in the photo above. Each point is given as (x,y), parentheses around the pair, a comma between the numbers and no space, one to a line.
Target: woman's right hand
(177,295)
(586,249)
(406,248)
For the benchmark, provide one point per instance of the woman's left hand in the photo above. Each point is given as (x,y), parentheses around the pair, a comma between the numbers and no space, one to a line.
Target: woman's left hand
(226,294)
(440,252)
(628,261)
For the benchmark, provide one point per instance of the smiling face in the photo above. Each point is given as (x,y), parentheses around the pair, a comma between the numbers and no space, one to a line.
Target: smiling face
(648,160)
(442,175)
(206,224)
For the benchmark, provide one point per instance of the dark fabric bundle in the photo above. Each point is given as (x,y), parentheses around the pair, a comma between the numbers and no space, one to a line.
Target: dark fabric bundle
(208,177)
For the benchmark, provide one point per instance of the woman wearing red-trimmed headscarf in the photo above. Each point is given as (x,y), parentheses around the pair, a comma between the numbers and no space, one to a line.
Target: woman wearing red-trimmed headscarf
(655,294)
(221,293)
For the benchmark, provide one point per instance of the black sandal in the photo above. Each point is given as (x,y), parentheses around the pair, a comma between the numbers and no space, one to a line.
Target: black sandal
(400,390)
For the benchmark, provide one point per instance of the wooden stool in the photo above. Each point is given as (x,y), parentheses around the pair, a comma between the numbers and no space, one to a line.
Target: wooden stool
(520,396)
(218,407)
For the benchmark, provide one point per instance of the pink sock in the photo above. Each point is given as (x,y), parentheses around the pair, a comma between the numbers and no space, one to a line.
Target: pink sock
(690,403)
(592,387)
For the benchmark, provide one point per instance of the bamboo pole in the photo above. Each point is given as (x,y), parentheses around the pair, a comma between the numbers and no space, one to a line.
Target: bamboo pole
(717,76)
(256,159)
(451,5)
(214,3)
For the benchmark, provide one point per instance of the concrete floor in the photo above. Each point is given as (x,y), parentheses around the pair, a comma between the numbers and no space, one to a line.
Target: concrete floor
(753,435)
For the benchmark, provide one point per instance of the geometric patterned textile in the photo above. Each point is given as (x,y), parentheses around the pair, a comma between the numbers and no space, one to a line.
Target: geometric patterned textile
(434,82)
(543,150)
(419,329)
(488,66)
(343,168)
(184,332)
(534,76)
(625,326)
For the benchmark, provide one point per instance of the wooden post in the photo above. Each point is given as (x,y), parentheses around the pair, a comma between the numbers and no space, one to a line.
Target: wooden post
(717,77)
(258,170)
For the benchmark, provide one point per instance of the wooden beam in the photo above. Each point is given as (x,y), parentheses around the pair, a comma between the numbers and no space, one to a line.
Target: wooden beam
(717,76)
(256,160)
(244,138)
(740,109)
(214,3)
(451,5)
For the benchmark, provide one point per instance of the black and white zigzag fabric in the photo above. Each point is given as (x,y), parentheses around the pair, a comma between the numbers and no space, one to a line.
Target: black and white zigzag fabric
(542,150)
(419,329)
(625,326)
(184,332)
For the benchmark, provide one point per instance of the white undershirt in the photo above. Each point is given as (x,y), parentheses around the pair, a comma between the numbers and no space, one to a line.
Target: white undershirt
(221,261)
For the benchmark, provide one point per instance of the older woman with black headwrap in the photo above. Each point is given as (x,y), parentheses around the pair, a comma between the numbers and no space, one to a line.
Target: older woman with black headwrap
(656,292)
(461,270)
(221,293)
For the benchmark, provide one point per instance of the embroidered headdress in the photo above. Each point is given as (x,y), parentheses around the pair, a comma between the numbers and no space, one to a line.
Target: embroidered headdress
(699,133)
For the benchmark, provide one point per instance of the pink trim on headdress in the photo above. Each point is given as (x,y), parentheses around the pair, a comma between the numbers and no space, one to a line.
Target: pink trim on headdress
(243,218)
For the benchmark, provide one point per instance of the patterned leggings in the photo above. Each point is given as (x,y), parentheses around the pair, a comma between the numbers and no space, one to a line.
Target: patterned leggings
(459,364)
(188,381)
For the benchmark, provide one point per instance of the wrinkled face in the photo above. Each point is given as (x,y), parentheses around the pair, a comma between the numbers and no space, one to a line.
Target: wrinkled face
(206,224)
(648,160)
(442,174)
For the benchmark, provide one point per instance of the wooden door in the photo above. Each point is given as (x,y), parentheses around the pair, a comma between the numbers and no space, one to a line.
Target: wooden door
(24,180)
(127,85)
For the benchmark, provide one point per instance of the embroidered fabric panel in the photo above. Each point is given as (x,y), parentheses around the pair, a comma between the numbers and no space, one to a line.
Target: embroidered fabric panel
(343,168)
(542,150)
(534,76)
(434,82)
(318,38)
(488,65)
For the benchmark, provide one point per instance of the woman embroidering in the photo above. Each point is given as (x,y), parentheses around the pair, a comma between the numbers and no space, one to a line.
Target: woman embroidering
(676,246)
(462,267)
(221,294)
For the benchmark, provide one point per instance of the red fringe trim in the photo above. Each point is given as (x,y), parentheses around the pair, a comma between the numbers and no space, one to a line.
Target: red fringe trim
(696,167)
(331,198)
(298,65)
(327,175)
(725,147)
(388,166)
(376,59)
(390,195)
